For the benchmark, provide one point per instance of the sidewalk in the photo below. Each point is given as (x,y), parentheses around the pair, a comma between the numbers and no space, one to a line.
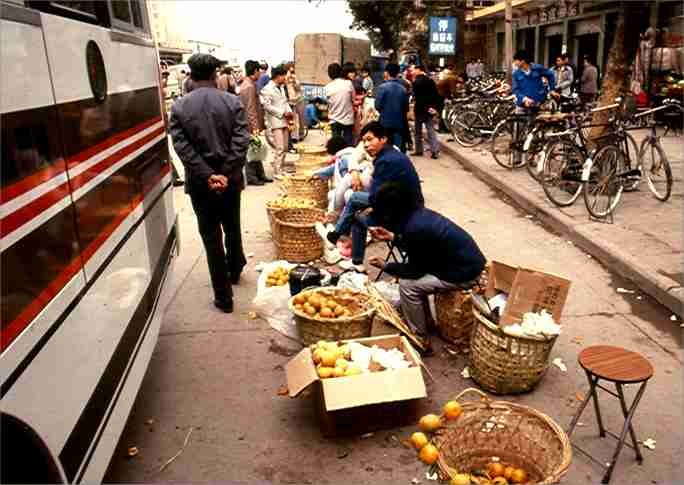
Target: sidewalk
(644,243)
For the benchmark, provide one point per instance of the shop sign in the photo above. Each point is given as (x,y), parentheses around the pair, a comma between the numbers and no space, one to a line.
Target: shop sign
(442,40)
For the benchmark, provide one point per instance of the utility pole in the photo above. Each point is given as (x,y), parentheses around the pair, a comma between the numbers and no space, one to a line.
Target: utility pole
(508,41)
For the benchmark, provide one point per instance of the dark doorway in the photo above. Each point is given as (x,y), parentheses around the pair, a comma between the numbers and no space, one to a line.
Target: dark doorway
(587,45)
(555,49)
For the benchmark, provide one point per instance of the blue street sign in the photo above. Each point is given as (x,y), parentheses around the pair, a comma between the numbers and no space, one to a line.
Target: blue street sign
(442,41)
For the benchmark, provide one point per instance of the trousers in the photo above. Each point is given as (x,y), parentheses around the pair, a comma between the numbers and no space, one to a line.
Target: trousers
(420,120)
(218,221)
(278,138)
(345,131)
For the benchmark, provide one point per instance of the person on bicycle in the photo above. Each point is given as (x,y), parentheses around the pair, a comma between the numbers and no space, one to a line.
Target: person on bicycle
(528,83)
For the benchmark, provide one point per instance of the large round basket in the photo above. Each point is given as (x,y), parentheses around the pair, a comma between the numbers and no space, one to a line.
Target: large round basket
(274,206)
(512,434)
(312,329)
(506,364)
(307,163)
(454,311)
(307,149)
(304,187)
(295,234)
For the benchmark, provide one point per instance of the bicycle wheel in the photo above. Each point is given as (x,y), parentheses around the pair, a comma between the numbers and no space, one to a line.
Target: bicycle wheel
(630,160)
(561,176)
(603,189)
(467,129)
(656,167)
(534,152)
(505,150)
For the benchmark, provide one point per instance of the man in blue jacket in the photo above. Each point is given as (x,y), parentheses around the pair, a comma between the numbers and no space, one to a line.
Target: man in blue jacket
(528,83)
(391,101)
(389,165)
(440,255)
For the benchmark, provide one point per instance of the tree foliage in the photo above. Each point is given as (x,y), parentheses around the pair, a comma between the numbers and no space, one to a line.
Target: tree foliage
(383,21)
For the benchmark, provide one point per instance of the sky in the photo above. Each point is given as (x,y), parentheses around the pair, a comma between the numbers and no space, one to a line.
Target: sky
(262,29)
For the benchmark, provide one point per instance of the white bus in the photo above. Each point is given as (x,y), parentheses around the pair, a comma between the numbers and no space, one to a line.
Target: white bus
(88,231)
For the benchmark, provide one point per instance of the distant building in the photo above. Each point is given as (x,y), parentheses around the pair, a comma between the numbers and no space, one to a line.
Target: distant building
(165,29)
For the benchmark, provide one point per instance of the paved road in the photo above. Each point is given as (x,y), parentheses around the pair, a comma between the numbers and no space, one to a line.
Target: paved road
(219,374)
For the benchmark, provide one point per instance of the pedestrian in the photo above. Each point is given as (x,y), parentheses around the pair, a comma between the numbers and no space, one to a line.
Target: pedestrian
(295,96)
(359,101)
(262,81)
(278,115)
(528,84)
(440,255)
(225,80)
(255,167)
(340,94)
(367,81)
(391,101)
(564,78)
(186,83)
(406,138)
(589,85)
(424,111)
(164,79)
(470,69)
(210,135)
(389,164)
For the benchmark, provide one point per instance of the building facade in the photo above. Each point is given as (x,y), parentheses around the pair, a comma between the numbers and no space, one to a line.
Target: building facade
(164,22)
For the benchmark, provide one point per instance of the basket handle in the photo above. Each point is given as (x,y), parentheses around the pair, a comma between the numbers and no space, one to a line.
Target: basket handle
(469,390)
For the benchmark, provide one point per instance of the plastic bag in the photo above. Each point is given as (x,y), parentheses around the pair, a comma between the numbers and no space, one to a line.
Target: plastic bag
(354,280)
(270,303)
(389,291)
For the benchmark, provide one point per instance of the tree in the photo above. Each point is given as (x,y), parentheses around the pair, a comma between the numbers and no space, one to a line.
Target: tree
(383,21)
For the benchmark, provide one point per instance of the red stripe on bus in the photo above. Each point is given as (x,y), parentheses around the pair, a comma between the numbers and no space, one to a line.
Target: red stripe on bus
(32,181)
(23,215)
(13,329)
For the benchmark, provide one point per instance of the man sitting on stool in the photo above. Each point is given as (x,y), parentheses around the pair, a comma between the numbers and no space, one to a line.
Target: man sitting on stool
(440,256)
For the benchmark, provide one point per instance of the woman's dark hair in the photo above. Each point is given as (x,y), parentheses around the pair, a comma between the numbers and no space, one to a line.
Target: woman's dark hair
(376,128)
(394,203)
(334,71)
(392,69)
(278,71)
(347,68)
(251,67)
(335,144)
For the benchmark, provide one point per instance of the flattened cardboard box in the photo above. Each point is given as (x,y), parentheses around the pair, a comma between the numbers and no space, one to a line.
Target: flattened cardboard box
(528,290)
(339,399)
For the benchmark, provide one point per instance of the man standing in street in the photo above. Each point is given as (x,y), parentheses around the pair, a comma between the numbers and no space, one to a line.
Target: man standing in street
(564,77)
(425,108)
(295,96)
(277,116)
(589,85)
(250,101)
(340,94)
(528,85)
(366,80)
(210,136)
(262,81)
(391,101)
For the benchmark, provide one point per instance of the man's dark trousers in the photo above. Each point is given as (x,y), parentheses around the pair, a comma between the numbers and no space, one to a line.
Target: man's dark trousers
(218,212)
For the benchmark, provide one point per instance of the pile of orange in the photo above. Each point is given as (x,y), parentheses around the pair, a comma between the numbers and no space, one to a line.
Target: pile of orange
(320,306)
(278,277)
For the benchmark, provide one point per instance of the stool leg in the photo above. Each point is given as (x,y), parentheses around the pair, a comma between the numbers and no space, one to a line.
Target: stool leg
(625,427)
(623,404)
(577,415)
(592,383)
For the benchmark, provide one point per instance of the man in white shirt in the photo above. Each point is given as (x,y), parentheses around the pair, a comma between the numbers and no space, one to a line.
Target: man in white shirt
(340,94)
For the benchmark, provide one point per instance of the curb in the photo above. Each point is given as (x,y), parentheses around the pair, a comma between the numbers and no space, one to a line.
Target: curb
(664,290)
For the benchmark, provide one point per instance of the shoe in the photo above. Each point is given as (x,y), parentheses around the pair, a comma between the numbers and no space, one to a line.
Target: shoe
(417,154)
(224,305)
(235,279)
(428,352)
(261,173)
(332,236)
(323,233)
(434,156)
(347,265)
(178,182)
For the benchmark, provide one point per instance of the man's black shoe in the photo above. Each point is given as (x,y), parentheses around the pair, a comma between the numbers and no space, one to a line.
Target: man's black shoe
(224,305)
(333,237)
(434,156)
(428,352)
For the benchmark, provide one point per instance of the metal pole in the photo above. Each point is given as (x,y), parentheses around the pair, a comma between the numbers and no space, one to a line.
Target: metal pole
(508,44)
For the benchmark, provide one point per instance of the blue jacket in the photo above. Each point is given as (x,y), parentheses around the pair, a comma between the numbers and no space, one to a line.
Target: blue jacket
(390,165)
(391,101)
(532,85)
(263,80)
(435,245)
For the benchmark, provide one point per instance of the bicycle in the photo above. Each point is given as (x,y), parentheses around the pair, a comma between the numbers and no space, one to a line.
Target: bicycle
(508,139)
(473,126)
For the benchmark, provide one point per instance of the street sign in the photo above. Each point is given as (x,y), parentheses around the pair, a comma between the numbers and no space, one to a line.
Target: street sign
(442,40)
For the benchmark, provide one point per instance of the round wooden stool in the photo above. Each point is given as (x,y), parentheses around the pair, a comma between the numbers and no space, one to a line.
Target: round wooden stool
(620,367)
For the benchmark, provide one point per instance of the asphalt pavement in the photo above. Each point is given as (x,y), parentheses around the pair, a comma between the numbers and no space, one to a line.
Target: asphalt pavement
(216,379)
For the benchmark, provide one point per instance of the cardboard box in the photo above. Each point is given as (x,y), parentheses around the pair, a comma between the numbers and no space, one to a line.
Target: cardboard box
(362,403)
(528,290)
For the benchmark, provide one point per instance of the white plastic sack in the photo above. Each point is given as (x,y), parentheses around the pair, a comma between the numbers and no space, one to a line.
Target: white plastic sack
(389,291)
(270,303)
(354,280)
(259,153)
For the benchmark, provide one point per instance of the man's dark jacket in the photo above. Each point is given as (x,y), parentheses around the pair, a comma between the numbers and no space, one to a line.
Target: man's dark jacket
(390,165)
(425,94)
(210,135)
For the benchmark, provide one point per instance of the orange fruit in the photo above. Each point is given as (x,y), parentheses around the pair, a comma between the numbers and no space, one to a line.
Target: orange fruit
(518,476)
(325,372)
(430,423)
(452,410)
(310,310)
(428,454)
(338,372)
(508,472)
(328,358)
(495,470)
(418,440)
(325,312)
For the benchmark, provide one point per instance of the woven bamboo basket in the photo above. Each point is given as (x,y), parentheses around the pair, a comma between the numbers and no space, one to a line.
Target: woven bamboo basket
(307,149)
(274,206)
(518,435)
(312,329)
(309,163)
(295,234)
(303,187)
(455,318)
(506,364)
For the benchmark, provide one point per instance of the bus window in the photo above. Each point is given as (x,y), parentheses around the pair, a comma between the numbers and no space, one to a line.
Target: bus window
(121,11)
(128,15)
(137,14)
(87,11)
(87,8)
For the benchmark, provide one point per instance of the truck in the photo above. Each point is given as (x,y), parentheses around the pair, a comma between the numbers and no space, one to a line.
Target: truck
(314,52)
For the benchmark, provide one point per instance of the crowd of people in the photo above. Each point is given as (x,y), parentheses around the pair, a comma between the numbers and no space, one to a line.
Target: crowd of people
(377,188)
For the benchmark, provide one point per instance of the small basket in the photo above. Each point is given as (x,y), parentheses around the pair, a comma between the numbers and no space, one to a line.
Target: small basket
(273,206)
(506,364)
(312,329)
(519,436)
(295,234)
(304,187)
(454,311)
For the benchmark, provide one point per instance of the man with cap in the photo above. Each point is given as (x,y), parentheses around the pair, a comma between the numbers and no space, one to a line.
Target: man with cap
(211,136)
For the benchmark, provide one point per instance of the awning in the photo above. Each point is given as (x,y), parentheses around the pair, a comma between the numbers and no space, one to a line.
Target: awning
(499,10)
